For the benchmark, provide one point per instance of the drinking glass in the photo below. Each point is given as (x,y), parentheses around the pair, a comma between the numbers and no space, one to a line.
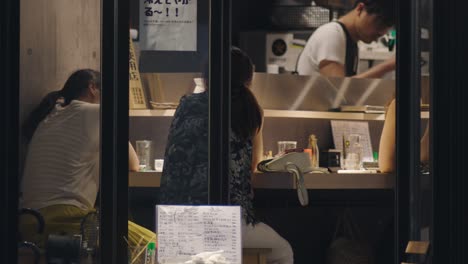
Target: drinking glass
(143,150)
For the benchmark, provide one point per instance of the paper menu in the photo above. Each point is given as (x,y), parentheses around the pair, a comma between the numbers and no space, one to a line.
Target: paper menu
(340,128)
(184,231)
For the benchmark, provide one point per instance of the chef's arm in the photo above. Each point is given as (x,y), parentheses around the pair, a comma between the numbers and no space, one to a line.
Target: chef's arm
(335,69)
(379,70)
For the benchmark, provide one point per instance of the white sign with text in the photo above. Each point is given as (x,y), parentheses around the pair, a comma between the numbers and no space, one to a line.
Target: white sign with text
(184,231)
(168,25)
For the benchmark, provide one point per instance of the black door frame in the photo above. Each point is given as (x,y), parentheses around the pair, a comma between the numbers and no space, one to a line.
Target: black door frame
(408,120)
(9,133)
(449,138)
(220,97)
(114,131)
(448,133)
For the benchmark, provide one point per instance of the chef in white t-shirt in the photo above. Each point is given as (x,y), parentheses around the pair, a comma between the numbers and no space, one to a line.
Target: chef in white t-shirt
(332,49)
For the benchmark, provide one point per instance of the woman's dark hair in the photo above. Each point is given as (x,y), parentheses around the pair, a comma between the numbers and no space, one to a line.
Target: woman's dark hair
(75,86)
(384,9)
(246,113)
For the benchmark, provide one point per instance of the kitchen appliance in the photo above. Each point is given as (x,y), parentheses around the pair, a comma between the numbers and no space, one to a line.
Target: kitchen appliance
(281,48)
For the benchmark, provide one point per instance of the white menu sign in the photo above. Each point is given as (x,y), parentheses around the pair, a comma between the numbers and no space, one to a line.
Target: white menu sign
(168,25)
(340,128)
(184,231)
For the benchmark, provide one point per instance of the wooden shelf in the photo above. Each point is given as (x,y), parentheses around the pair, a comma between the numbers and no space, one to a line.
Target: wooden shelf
(322,115)
(313,181)
(282,114)
(152,112)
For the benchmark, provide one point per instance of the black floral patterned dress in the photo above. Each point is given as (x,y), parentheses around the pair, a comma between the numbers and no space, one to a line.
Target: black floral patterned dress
(185,173)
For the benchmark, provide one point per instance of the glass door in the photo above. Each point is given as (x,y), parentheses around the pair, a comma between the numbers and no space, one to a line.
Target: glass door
(76,134)
(60,90)
(414,193)
(168,112)
(176,112)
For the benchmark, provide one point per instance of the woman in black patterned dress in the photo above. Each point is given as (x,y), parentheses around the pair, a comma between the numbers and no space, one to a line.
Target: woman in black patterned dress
(185,173)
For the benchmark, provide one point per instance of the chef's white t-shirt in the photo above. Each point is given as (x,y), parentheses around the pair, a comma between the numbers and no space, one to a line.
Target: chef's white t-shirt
(62,163)
(328,42)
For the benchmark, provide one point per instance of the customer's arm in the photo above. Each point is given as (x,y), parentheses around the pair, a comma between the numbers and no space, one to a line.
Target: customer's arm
(387,147)
(133,162)
(257,149)
(425,145)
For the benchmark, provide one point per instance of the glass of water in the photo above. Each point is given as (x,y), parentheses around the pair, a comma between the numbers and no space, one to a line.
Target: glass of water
(143,150)
(353,152)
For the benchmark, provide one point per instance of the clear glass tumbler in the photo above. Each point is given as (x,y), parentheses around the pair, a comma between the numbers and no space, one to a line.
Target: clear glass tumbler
(143,150)
(353,152)
(285,145)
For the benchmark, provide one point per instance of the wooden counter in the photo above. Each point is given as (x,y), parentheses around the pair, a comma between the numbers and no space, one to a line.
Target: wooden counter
(317,181)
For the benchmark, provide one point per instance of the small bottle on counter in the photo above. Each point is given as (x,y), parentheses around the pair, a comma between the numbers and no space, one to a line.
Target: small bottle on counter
(150,256)
(314,151)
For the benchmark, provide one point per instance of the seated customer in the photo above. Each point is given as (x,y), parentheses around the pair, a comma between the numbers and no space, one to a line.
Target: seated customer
(185,173)
(387,148)
(61,174)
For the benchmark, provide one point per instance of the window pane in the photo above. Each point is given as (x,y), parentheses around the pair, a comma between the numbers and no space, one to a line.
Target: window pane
(60,117)
(168,127)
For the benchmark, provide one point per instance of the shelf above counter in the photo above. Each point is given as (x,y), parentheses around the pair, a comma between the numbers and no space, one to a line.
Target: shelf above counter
(151,112)
(280,114)
(312,181)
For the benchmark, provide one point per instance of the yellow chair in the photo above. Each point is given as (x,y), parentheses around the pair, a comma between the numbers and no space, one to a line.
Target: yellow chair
(418,248)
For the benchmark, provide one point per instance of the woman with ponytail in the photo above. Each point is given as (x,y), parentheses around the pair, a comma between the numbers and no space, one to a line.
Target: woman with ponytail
(185,174)
(61,172)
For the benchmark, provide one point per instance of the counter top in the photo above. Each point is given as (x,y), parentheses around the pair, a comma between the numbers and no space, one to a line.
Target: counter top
(317,181)
(282,113)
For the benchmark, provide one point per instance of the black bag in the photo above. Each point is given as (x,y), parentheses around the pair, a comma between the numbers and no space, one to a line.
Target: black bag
(348,245)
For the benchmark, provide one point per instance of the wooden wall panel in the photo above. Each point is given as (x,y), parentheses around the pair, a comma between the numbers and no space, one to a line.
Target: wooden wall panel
(57,37)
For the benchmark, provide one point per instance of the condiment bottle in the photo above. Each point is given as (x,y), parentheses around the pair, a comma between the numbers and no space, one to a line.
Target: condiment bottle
(315,150)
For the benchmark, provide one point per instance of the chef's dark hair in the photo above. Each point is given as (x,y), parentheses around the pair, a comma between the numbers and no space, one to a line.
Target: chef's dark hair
(75,86)
(384,9)
(246,113)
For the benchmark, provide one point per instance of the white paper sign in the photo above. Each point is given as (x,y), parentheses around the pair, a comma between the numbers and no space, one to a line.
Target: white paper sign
(168,25)
(184,231)
(340,128)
